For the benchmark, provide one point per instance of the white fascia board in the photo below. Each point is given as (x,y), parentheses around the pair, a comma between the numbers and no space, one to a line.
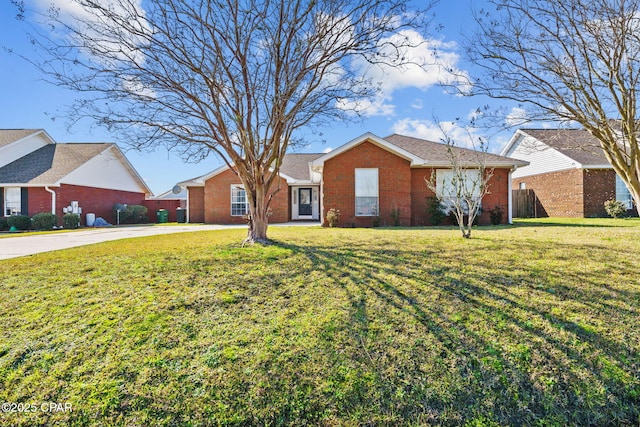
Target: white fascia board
(519,134)
(317,164)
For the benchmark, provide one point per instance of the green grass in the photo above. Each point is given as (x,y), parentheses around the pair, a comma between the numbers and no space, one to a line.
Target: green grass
(535,324)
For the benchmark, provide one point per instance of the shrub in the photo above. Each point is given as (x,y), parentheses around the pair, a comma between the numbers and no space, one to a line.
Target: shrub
(4,226)
(71,221)
(375,221)
(496,215)
(333,217)
(434,211)
(615,208)
(44,221)
(131,214)
(21,222)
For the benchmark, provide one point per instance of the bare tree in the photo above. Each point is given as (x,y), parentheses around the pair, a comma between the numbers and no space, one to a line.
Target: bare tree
(571,61)
(233,77)
(461,187)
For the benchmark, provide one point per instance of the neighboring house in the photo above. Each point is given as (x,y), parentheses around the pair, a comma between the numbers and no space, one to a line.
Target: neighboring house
(366,180)
(39,175)
(568,172)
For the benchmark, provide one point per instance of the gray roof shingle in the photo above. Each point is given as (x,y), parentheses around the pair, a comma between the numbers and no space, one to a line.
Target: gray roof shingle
(438,153)
(49,164)
(297,165)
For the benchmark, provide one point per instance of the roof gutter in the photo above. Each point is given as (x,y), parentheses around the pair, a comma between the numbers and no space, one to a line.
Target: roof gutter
(53,199)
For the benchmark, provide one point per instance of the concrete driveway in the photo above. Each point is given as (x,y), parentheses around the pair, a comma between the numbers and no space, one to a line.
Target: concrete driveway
(12,247)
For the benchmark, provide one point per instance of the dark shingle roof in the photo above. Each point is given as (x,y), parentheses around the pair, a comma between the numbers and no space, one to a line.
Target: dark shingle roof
(297,165)
(438,153)
(49,164)
(577,144)
(7,136)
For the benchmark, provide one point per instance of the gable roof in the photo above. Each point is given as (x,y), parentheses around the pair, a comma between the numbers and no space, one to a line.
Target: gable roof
(577,144)
(9,136)
(296,165)
(49,164)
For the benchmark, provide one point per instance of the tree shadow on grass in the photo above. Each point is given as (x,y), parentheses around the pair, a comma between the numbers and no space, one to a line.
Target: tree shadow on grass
(515,347)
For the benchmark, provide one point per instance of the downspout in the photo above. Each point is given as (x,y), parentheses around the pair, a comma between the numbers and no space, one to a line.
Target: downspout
(187,219)
(53,199)
(510,196)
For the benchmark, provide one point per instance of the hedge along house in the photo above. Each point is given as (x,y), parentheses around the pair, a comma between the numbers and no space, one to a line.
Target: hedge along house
(39,175)
(369,180)
(568,173)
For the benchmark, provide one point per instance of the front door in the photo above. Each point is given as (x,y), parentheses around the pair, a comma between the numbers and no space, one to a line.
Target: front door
(304,199)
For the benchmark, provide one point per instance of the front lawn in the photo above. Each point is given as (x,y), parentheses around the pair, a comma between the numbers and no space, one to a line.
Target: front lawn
(535,324)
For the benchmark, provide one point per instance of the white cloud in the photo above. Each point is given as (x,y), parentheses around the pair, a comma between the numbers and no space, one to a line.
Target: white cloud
(517,117)
(427,63)
(439,132)
(96,33)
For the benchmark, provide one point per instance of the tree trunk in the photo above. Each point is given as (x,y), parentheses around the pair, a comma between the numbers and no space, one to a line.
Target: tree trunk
(258,223)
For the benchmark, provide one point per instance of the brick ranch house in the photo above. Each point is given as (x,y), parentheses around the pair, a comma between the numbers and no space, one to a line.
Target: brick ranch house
(38,175)
(568,173)
(365,179)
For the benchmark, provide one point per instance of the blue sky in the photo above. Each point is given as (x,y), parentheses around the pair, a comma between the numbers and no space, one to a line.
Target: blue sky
(411,105)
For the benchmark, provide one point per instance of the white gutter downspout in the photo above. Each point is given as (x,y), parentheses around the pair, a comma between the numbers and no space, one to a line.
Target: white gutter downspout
(510,197)
(53,199)
(187,218)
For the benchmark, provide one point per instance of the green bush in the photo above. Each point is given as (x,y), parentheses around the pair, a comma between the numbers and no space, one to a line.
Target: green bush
(496,215)
(395,216)
(21,222)
(615,208)
(44,221)
(130,214)
(434,211)
(71,221)
(4,226)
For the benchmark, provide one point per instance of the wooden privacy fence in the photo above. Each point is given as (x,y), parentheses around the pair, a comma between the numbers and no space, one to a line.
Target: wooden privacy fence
(524,203)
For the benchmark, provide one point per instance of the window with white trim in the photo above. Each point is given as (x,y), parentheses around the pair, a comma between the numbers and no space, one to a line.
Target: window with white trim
(12,201)
(366,192)
(453,185)
(239,203)
(623,194)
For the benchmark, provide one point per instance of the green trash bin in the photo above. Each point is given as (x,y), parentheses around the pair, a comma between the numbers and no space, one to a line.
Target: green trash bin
(162,216)
(181,215)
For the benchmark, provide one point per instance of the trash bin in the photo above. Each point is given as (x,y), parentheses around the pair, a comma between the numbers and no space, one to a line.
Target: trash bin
(162,216)
(181,215)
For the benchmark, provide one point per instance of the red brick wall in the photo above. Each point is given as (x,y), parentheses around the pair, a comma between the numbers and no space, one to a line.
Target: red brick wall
(498,196)
(558,194)
(90,199)
(394,178)
(599,186)
(419,195)
(153,205)
(217,200)
(196,204)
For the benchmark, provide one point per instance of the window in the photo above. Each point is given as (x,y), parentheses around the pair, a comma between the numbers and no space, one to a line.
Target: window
(239,204)
(450,185)
(523,186)
(12,201)
(622,193)
(366,192)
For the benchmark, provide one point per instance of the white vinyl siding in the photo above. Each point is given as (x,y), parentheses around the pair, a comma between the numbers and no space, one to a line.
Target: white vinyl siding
(366,181)
(541,158)
(239,204)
